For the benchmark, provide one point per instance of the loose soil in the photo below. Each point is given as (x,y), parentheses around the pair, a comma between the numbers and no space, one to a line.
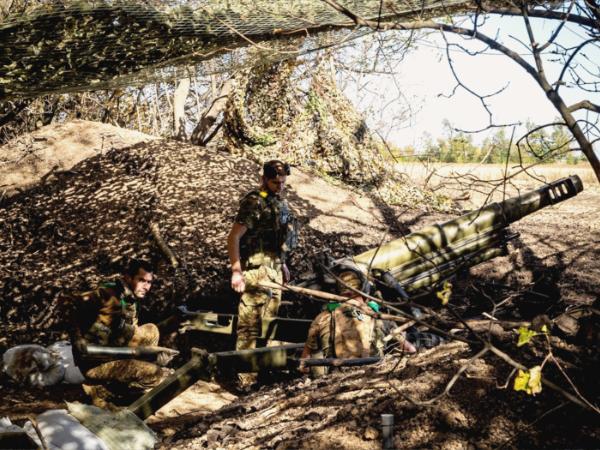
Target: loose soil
(552,266)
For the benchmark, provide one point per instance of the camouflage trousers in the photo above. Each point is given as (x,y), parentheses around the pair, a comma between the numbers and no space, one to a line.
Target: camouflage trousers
(118,378)
(257,303)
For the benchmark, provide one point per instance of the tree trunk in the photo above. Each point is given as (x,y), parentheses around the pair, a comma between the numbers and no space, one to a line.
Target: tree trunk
(201,134)
(179,98)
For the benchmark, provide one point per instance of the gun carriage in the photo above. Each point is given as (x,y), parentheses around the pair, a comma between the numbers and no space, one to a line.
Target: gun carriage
(402,268)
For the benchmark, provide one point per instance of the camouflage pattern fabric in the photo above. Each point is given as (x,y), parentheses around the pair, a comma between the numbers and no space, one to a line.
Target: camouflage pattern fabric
(108,315)
(271,225)
(346,332)
(124,377)
(423,339)
(258,303)
(271,232)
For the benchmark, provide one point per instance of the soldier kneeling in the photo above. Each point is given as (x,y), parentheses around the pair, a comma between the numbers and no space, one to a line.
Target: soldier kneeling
(108,317)
(347,329)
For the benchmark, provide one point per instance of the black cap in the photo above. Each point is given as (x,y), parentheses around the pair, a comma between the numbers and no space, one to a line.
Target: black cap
(275,167)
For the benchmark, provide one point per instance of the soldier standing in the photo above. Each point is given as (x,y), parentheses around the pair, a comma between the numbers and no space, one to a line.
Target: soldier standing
(263,232)
(108,316)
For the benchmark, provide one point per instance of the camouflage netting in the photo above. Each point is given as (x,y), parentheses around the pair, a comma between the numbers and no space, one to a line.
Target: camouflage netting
(267,116)
(83,45)
(78,227)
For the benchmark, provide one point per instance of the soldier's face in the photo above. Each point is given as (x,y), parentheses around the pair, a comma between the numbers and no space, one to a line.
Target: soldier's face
(275,185)
(140,284)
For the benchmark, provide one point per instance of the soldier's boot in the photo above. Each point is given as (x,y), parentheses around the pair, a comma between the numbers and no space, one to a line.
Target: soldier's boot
(246,381)
(423,340)
(100,396)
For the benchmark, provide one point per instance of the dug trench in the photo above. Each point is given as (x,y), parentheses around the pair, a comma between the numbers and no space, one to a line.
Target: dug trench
(68,229)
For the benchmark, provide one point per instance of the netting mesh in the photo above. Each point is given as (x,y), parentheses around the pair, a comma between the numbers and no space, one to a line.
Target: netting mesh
(75,46)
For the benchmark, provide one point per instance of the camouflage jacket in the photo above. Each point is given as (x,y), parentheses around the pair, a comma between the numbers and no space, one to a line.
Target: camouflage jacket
(107,315)
(272,227)
(346,332)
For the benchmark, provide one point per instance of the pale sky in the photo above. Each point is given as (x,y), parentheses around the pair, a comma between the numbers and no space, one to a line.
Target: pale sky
(425,75)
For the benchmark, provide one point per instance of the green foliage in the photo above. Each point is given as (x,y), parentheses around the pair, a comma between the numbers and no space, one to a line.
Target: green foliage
(540,146)
(265,140)
(529,381)
(525,335)
(444,294)
(315,104)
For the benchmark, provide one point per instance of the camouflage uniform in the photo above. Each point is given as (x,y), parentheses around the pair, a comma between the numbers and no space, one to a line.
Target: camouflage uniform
(345,331)
(108,316)
(270,233)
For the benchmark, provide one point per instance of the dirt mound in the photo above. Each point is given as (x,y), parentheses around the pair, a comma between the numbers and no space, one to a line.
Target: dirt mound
(27,159)
(75,227)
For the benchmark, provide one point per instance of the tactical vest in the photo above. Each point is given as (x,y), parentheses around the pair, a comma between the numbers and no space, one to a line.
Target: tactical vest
(352,333)
(276,230)
(116,319)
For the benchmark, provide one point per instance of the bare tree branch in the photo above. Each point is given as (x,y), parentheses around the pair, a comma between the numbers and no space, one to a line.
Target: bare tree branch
(537,72)
(585,104)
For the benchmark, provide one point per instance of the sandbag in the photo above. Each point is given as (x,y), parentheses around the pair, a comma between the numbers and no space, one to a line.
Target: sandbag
(121,430)
(61,431)
(72,373)
(33,365)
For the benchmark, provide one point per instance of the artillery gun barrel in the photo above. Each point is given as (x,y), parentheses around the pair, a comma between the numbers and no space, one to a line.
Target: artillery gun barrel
(203,366)
(461,250)
(442,272)
(112,353)
(438,241)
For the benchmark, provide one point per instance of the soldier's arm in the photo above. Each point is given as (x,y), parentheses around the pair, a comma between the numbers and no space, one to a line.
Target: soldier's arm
(85,310)
(311,345)
(233,249)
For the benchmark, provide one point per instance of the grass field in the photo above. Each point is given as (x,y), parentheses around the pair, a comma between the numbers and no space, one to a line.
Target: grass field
(547,172)
(474,182)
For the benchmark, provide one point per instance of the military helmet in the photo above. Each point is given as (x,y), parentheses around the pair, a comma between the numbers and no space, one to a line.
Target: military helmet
(349,274)
(348,278)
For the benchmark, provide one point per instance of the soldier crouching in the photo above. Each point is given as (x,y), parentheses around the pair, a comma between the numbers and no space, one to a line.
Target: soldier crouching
(108,317)
(345,330)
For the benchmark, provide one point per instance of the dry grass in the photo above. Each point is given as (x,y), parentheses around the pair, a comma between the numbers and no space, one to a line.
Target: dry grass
(473,182)
(547,172)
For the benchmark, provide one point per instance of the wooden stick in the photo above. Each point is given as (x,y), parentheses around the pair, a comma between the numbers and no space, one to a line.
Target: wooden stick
(329,296)
(301,290)
(503,323)
(399,330)
(163,245)
(37,430)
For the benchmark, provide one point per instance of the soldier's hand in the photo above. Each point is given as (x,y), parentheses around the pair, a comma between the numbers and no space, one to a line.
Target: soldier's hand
(81,345)
(237,282)
(286,273)
(163,358)
(303,369)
